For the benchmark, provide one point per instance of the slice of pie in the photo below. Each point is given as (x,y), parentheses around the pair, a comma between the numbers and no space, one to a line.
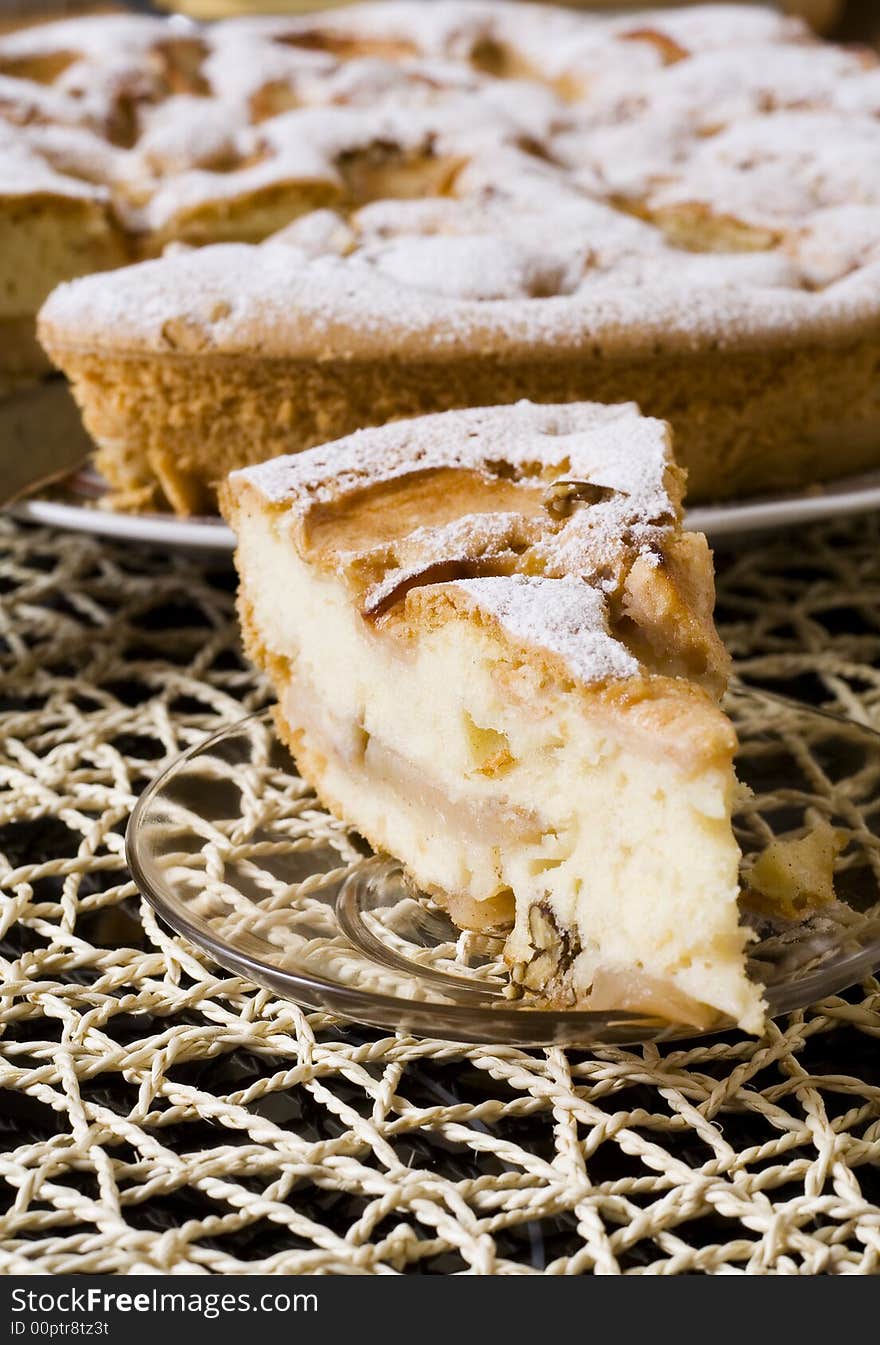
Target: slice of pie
(494,653)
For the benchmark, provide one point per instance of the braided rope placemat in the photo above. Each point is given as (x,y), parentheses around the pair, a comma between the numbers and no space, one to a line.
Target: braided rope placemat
(160,1114)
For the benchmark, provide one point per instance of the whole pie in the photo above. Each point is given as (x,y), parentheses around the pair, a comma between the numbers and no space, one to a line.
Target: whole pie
(399,208)
(494,655)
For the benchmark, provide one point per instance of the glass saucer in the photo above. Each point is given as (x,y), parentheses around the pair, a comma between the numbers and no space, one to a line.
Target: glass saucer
(234,851)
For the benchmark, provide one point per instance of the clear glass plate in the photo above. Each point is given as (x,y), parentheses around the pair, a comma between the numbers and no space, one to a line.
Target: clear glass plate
(234,851)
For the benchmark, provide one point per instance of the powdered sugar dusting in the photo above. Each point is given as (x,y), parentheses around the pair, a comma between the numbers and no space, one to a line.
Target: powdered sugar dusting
(24,172)
(93,37)
(565,616)
(709,27)
(557,504)
(284,301)
(611,445)
(780,169)
(836,242)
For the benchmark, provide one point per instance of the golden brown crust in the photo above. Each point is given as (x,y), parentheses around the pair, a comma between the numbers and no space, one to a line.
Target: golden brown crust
(671,607)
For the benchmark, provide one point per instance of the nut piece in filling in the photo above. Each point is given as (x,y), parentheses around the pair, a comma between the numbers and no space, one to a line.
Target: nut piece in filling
(494,655)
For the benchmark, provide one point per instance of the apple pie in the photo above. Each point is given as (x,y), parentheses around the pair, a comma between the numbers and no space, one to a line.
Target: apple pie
(494,655)
(400,208)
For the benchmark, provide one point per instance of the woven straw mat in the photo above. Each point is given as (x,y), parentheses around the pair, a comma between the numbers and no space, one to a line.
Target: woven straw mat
(159,1114)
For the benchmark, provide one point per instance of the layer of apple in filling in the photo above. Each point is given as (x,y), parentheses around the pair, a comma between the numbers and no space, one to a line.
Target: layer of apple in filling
(592,824)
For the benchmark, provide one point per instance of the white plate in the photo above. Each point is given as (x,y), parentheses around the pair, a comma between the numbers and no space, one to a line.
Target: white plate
(76,507)
(200,534)
(851,495)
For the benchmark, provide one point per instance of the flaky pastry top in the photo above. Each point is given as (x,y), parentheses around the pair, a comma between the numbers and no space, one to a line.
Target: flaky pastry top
(502,178)
(590,183)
